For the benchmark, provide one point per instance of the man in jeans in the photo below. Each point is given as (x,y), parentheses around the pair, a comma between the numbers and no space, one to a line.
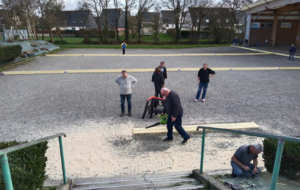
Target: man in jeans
(174,110)
(126,82)
(292,52)
(203,79)
(241,160)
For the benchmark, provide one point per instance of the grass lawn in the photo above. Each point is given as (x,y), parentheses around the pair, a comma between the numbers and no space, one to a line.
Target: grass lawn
(76,43)
(49,188)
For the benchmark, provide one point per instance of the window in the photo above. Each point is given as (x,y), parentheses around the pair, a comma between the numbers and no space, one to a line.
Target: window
(207,20)
(227,20)
(74,22)
(218,20)
(197,20)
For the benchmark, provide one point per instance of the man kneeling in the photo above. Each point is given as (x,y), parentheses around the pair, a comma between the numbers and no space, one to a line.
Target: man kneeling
(241,160)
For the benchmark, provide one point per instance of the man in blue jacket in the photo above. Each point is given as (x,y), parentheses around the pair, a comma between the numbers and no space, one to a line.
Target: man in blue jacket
(123,46)
(292,52)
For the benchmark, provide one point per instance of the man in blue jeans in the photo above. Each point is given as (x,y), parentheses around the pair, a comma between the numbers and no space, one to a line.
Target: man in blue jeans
(126,82)
(241,160)
(292,52)
(174,110)
(203,79)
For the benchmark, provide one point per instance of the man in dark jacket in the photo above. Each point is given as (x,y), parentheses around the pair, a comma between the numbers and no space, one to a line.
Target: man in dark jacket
(174,110)
(163,69)
(292,52)
(203,79)
(158,80)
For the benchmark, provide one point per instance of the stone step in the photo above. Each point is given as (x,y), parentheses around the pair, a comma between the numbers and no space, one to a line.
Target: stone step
(159,181)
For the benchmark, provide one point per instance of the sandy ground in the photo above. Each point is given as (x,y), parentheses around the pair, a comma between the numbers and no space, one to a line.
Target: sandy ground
(88,154)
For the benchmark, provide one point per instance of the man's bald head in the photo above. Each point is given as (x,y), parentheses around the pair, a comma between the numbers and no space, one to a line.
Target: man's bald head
(165,92)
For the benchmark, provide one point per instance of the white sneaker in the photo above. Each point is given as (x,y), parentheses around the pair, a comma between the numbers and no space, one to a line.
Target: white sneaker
(195,100)
(203,100)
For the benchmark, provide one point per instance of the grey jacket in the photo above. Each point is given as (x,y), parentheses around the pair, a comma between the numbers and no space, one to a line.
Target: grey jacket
(126,84)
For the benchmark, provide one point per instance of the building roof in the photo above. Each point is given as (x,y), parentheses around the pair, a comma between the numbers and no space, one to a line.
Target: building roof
(261,5)
(150,16)
(75,18)
(167,17)
(112,14)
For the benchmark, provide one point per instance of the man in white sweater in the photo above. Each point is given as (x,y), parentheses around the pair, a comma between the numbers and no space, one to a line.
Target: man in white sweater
(126,82)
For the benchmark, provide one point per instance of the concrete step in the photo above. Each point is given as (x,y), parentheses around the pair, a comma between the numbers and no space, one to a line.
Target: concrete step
(159,181)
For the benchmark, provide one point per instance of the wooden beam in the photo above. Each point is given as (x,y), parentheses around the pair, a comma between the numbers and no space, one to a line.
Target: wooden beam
(298,34)
(274,30)
(192,128)
(294,7)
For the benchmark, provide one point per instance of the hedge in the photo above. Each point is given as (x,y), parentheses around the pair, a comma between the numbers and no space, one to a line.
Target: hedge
(290,162)
(93,33)
(8,53)
(27,166)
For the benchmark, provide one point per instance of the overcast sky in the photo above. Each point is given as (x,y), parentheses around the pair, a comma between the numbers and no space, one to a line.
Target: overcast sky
(71,4)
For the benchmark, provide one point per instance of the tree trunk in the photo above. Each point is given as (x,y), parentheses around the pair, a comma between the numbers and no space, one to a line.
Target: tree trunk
(126,24)
(198,30)
(58,34)
(99,27)
(117,27)
(51,35)
(177,32)
(139,30)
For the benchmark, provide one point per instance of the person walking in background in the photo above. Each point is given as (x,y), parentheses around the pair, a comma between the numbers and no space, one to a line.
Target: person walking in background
(163,69)
(174,110)
(123,46)
(266,42)
(233,42)
(246,42)
(203,79)
(125,82)
(292,52)
(241,41)
(158,80)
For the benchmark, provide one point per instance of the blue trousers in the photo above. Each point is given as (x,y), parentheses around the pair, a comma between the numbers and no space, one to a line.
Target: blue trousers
(292,54)
(128,97)
(238,171)
(178,126)
(204,86)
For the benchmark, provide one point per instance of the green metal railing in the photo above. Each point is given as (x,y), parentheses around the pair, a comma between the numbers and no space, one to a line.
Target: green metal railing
(280,145)
(5,164)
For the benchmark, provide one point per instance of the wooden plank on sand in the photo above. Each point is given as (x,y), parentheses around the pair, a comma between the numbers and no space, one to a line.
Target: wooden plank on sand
(192,128)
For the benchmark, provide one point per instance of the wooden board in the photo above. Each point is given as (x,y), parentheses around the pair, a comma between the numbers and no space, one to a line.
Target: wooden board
(193,128)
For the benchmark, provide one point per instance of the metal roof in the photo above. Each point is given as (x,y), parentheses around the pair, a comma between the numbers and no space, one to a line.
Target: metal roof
(261,5)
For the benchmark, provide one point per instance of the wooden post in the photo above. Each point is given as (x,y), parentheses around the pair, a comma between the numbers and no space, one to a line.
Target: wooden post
(298,34)
(274,30)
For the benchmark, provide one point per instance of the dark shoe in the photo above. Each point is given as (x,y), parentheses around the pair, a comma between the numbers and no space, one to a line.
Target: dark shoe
(167,140)
(233,175)
(185,140)
(122,114)
(130,114)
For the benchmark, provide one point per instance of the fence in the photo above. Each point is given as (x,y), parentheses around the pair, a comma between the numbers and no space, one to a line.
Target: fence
(279,151)
(5,162)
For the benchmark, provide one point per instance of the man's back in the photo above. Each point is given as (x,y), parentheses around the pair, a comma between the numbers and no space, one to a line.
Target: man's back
(243,155)
(173,105)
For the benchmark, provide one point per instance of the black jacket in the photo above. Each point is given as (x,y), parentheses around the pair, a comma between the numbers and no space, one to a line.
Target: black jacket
(158,79)
(204,74)
(164,73)
(173,106)
(292,49)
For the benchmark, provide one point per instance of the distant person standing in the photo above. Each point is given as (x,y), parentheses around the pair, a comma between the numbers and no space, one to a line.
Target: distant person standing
(123,45)
(246,42)
(241,41)
(126,82)
(236,41)
(203,79)
(163,69)
(292,52)
(266,42)
(158,80)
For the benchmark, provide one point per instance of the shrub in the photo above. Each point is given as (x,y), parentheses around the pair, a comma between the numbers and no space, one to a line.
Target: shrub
(60,42)
(172,33)
(290,162)
(185,34)
(8,53)
(27,166)
(86,41)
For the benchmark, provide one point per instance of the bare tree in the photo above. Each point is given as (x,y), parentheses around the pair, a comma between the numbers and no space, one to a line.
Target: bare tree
(83,9)
(178,8)
(105,15)
(156,24)
(42,4)
(198,10)
(132,25)
(28,9)
(144,6)
(97,7)
(128,5)
(117,6)
(53,13)
(235,14)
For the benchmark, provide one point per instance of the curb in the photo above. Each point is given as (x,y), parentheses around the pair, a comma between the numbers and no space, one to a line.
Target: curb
(67,186)
(262,51)
(206,179)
